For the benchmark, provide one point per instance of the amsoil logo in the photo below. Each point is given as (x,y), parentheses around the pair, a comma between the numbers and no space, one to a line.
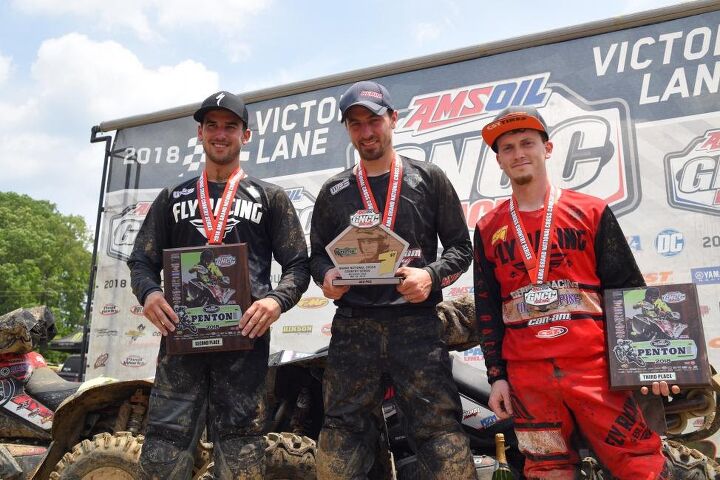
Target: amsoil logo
(312,302)
(133,361)
(442,109)
(124,227)
(552,332)
(693,175)
(225,261)
(594,149)
(109,309)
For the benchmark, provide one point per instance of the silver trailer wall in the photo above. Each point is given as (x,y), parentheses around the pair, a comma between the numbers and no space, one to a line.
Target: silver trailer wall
(633,114)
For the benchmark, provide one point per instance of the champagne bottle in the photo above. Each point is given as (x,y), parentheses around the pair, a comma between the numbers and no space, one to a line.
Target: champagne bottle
(503,471)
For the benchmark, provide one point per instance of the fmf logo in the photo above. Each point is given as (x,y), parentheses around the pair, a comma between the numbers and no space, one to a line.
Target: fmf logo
(669,242)
(137,310)
(124,227)
(312,302)
(693,175)
(594,150)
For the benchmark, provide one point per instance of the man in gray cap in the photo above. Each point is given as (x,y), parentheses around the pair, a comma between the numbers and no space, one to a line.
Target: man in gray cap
(389,331)
(226,388)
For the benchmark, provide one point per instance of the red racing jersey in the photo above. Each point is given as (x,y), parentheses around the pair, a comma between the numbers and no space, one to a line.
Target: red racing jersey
(588,254)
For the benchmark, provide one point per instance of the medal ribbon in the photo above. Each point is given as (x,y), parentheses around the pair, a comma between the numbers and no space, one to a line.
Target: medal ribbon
(536,267)
(215,226)
(393,194)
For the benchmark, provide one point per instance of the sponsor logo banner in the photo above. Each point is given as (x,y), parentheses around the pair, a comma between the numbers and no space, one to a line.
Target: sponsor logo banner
(704,275)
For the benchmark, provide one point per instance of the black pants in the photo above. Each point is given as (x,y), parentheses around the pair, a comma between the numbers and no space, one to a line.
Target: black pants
(406,344)
(224,391)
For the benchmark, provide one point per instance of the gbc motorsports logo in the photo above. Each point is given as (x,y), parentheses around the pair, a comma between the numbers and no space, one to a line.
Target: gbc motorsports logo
(693,175)
(669,242)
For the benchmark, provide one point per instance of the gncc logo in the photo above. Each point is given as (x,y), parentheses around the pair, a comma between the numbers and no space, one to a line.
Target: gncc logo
(693,175)
(124,227)
(594,150)
(225,261)
(674,297)
(669,242)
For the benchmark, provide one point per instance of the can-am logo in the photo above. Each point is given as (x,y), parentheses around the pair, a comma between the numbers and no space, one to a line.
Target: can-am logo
(225,261)
(674,297)
(669,242)
(552,332)
(692,176)
(133,361)
(365,219)
(109,309)
(124,227)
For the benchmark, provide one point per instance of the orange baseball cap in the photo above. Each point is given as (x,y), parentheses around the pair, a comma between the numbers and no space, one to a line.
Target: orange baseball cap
(512,118)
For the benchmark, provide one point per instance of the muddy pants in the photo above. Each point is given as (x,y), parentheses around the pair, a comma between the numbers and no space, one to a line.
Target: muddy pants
(224,391)
(551,397)
(405,343)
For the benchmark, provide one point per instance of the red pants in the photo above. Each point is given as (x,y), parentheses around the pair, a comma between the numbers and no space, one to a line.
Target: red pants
(551,397)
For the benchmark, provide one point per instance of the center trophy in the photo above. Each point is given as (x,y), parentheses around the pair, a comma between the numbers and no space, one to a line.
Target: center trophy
(367,252)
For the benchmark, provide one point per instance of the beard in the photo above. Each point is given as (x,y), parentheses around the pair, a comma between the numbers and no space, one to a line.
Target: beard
(231,156)
(523,179)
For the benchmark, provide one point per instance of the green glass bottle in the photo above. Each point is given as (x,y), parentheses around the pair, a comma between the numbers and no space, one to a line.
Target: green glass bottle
(503,471)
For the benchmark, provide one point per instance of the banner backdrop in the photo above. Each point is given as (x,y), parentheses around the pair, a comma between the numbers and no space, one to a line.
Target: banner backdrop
(634,116)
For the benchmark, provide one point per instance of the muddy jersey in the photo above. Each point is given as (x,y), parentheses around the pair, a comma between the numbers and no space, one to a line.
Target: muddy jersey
(588,254)
(429,209)
(261,215)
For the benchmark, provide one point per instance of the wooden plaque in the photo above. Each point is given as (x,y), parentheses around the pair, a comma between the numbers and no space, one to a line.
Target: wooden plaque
(209,289)
(653,334)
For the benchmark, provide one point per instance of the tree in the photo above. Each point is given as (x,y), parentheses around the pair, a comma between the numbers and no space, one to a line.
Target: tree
(44,259)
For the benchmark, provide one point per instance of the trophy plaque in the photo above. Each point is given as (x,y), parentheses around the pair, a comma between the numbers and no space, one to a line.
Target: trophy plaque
(655,334)
(209,289)
(367,252)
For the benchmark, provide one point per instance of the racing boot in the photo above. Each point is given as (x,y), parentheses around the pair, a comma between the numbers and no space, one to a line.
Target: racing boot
(684,463)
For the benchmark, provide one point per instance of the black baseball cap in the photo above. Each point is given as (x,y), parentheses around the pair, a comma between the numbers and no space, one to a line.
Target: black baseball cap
(513,118)
(370,95)
(225,101)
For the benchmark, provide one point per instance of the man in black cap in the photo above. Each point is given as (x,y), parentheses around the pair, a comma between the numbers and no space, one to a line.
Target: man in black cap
(538,302)
(389,331)
(226,388)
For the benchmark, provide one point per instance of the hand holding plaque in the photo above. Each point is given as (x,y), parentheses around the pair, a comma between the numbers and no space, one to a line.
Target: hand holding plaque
(367,252)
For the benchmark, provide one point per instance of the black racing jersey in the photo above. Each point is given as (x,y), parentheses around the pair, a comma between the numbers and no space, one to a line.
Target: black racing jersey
(261,215)
(429,209)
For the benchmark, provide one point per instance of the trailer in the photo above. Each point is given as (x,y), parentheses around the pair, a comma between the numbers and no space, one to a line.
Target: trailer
(632,106)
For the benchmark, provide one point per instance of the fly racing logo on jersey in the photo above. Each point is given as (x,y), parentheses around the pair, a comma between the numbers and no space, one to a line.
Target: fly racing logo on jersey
(124,227)
(669,242)
(692,176)
(183,192)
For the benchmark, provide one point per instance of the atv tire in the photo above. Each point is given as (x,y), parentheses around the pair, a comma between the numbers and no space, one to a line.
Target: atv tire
(106,456)
(287,456)
(290,456)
